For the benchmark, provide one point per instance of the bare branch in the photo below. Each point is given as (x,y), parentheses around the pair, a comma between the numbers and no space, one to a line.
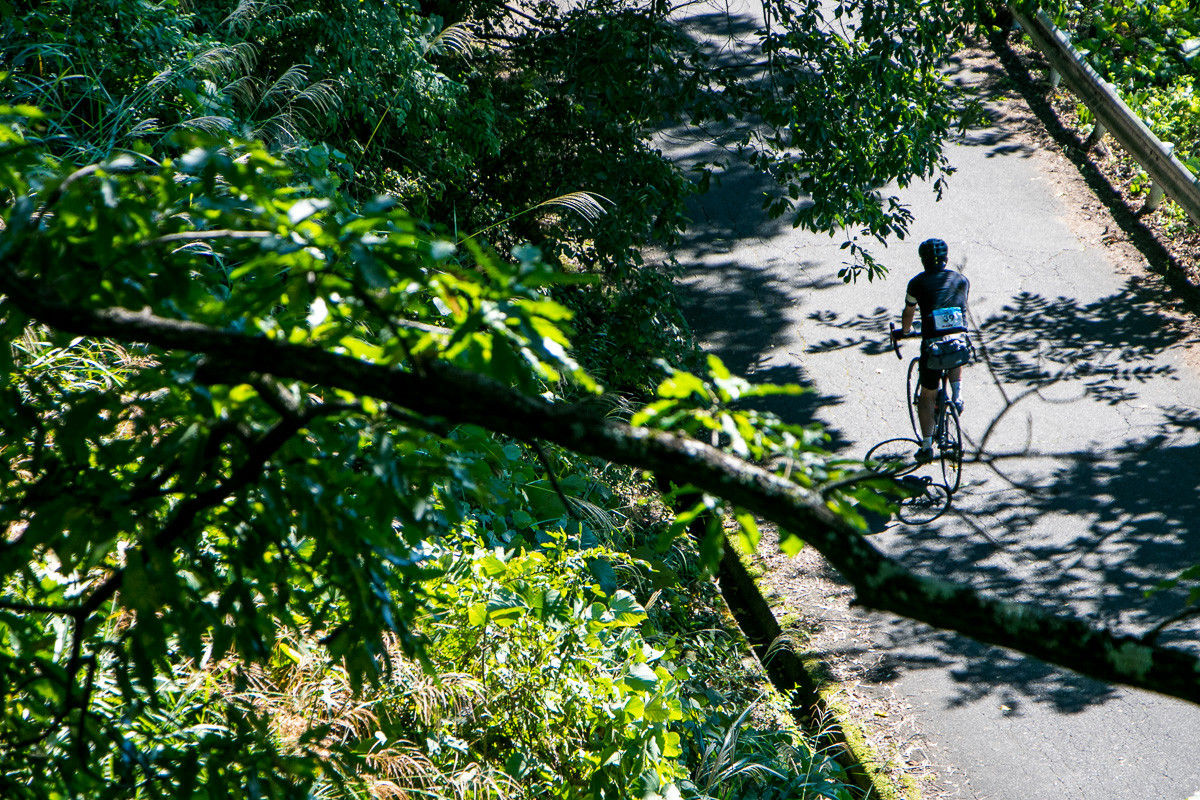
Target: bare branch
(550,476)
(37,608)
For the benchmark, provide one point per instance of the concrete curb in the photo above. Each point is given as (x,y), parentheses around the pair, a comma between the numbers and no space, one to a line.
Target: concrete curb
(804,679)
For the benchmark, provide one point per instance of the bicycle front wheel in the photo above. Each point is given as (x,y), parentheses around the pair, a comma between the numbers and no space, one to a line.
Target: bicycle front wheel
(950,447)
(914,387)
(893,457)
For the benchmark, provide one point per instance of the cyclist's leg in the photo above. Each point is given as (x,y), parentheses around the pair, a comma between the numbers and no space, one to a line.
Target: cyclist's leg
(930,382)
(925,409)
(954,379)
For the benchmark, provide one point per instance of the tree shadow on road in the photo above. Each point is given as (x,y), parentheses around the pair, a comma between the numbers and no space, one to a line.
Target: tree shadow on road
(740,314)
(1010,679)
(739,311)
(1122,506)
(992,122)
(1089,524)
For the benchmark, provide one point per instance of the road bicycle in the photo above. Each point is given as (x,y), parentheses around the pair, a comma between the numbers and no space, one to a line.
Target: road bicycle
(947,433)
(923,500)
(899,456)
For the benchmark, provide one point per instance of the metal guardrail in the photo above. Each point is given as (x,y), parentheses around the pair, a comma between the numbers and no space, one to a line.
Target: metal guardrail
(1114,116)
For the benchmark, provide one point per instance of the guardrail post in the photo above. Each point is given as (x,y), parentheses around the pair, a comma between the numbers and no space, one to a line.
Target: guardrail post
(1154,200)
(1055,78)
(1156,190)
(1098,131)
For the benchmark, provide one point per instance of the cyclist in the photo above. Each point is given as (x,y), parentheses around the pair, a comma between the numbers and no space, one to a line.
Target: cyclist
(941,295)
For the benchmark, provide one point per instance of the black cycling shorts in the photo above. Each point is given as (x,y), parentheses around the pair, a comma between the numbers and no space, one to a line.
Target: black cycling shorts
(930,378)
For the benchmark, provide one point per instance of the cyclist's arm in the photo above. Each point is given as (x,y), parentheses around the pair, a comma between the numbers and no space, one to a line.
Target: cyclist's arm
(906,319)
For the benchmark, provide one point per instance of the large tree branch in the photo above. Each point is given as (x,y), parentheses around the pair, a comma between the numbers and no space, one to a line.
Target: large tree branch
(461,396)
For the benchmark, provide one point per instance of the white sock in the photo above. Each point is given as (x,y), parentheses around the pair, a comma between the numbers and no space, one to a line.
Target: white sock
(956,390)
(927,443)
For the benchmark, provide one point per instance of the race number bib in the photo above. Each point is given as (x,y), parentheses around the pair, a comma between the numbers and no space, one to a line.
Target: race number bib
(947,319)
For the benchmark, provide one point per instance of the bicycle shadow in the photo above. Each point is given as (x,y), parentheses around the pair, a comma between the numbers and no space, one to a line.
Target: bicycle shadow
(923,488)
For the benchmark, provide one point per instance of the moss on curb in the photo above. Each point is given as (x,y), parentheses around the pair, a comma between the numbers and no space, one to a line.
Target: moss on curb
(806,679)
(855,741)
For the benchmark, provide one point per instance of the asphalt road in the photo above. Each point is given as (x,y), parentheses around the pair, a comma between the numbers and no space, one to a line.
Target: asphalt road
(1090,388)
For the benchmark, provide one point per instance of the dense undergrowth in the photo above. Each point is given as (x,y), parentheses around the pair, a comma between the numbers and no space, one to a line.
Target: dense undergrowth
(553,664)
(572,646)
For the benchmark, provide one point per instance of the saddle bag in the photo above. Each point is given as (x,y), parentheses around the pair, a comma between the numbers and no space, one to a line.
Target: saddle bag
(947,352)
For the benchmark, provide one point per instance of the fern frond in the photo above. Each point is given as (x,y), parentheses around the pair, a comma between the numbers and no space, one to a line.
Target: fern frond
(585,204)
(356,721)
(226,60)
(143,128)
(243,90)
(789,641)
(279,128)
(602,520)
(322,94)
(161,79)
(452,694)
(246,11)
(471,781)
(404,767)
(195,248)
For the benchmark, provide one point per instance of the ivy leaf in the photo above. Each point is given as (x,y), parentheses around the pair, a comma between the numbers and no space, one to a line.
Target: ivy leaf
(492,567)
(681,385)
(791,544)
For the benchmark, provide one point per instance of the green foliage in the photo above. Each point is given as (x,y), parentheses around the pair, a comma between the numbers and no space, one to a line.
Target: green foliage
(480,125)
(163,509)
(205,497)
(1138,44)
(1150,52)
(719,409)
(839,151)
(623,325)
(578,703)
(590,690)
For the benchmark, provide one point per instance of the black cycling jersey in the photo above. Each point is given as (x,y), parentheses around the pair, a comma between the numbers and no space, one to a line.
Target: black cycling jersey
(942,298)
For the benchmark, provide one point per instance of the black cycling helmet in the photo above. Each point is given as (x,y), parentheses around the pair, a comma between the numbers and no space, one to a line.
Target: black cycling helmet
(933,254)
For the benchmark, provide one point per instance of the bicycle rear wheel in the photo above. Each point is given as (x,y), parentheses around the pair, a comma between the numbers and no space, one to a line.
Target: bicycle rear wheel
(914,386)
(950,447)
